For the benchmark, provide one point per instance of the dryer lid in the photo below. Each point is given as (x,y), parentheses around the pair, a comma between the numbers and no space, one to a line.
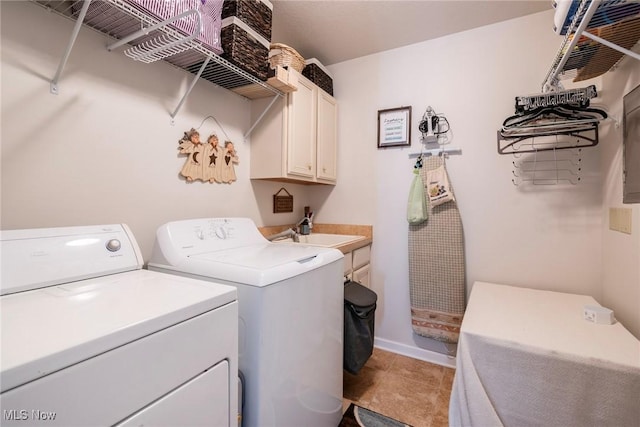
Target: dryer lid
(45,330)
(41,257)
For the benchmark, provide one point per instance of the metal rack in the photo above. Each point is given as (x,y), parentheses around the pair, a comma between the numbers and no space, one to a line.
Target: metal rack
(600,34)
(152,40)
(548,168)
(549,130)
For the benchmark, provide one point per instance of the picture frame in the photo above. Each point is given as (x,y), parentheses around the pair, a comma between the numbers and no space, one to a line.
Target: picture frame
(394,127)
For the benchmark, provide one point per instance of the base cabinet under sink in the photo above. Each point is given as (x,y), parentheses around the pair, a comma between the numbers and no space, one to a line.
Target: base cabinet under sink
(357,265)
(362,276)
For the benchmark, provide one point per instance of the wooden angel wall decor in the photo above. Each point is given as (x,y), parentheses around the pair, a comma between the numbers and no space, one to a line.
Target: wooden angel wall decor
(209,161)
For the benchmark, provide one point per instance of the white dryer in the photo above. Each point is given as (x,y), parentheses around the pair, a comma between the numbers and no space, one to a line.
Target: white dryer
(91,339)
(291,315)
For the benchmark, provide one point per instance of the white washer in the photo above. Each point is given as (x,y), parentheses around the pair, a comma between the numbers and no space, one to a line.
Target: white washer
(291,314)
(89,338)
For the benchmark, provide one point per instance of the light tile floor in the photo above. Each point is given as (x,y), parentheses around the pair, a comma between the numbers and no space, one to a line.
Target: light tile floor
(403,388)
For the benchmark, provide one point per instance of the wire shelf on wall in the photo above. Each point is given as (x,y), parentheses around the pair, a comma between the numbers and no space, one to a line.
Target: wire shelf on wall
(600,34)
(119,19)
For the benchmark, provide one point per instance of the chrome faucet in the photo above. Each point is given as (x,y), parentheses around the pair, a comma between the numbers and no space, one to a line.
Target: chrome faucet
(286,234)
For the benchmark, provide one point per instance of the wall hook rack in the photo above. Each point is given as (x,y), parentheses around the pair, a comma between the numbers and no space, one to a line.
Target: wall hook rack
(437,152)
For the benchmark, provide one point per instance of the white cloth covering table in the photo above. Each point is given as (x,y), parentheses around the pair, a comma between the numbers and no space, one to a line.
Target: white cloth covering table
(528,358)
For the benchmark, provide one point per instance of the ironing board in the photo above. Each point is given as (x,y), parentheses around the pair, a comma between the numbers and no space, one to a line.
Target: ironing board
(437,269)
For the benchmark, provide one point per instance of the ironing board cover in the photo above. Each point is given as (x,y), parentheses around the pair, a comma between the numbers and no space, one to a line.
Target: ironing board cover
(437,269)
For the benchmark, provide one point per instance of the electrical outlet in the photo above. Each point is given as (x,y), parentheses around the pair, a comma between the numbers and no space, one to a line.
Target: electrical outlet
(620,220)
(598,314)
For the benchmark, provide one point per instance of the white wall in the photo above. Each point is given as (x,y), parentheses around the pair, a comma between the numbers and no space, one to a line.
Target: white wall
(544,237)
(104,150)
(620,252)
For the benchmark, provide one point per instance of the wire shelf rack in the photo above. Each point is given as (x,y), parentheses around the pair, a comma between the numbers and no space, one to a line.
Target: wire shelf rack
(120,19)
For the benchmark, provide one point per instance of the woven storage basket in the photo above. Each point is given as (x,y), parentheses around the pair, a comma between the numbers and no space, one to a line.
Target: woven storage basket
(255,13)
(285,56)
(317,74)
(244,48)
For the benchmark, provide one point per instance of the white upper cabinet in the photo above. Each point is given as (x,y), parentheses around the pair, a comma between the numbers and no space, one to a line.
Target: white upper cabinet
(327,152)
(302,108)
(296,139)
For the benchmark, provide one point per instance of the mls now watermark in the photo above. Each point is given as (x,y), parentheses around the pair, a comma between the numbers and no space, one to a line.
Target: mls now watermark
(27,415)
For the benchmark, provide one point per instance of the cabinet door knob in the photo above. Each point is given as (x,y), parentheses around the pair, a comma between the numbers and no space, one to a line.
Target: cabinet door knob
(309,167)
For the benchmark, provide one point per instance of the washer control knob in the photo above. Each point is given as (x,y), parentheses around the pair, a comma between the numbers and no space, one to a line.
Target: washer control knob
(113,245)
(200,234)
(221,232)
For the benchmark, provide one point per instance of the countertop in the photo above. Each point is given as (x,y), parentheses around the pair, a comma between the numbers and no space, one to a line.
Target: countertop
(348,229)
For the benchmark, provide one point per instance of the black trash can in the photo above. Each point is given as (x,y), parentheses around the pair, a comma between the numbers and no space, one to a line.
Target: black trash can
(359,322)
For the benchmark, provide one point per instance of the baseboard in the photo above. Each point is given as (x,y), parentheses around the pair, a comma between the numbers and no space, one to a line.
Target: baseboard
(416,353)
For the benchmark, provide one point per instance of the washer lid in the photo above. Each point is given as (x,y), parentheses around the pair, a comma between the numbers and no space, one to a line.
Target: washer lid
(48,329)
(257,265)
(262,257)
(232,249)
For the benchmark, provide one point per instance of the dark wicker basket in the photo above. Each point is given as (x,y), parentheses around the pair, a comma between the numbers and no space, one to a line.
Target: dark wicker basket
(319,77)
(254,13)
(244,51)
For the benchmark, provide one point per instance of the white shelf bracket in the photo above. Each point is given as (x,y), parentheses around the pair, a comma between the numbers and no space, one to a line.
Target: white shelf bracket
(275,98)
(190,88)
(76,29)
(612,45)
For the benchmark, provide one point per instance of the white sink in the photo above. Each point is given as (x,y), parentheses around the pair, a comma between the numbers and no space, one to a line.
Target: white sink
(326,240)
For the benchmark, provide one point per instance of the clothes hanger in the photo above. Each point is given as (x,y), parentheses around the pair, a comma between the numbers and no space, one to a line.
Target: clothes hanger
(548,129)
(554,115)
(547,121)
(575,139)
(565,110)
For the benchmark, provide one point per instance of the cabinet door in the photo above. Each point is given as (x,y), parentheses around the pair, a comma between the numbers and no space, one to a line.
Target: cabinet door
(348,265)
(301,135)
(361,256)
(363,276)
(327,140)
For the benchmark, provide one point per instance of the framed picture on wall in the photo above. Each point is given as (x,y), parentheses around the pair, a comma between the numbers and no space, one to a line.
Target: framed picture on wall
(394,127)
